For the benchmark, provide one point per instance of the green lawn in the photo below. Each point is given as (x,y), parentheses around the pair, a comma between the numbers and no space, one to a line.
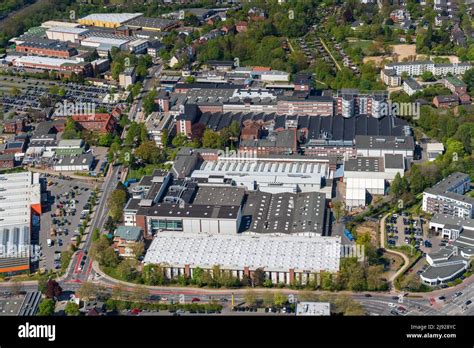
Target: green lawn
(363,44)
(147,170)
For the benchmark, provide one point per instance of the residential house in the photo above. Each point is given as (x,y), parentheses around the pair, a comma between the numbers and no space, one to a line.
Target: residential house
(446,101)
(126,239)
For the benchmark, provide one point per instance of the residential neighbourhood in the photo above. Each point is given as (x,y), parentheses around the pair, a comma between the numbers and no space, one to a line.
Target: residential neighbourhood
(237,158)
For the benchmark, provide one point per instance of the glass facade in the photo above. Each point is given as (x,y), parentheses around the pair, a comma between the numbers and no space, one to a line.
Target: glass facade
(166,225)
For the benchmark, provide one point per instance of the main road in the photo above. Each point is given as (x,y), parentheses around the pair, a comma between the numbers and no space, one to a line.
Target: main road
(77,273)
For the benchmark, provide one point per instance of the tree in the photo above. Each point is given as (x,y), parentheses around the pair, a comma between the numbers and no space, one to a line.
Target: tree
(109,258)
(197,131)
(279,299)
(72,309)
(71,129)
(53,290)
(179,140)
(95,234)
(211,139)
(198,276)
(149,102)
(133,134)
(109,224)
(338,209)
(153,275)
(465,134)
(374,278)
(190,79)
(46,307)
(105,139)
(116,203)
(468,78)
(258,277)
(398,186)
(138,249)
(417,183)
(98,247)
(326,281)
(16,286)
(348,306)
(149,152)
(164,138)
(65,259)
(87,291)
(427,76)
(126,270)
(268,299)
(250,298)
(191,20)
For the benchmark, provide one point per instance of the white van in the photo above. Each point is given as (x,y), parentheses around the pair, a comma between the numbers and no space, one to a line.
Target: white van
(50,242)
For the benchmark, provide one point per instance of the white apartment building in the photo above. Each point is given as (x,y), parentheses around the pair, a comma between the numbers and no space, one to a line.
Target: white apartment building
(410,86)
(447,197)
(417,68)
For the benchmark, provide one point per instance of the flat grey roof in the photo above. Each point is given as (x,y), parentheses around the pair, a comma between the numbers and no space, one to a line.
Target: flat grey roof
(284,213)
(412,84)
(83,159)
(384,142)
(364,164)
(191,211)
(394,161)
(452,220)
(283,139)
(443,272)
(448,183)
(227,195)
(149,22)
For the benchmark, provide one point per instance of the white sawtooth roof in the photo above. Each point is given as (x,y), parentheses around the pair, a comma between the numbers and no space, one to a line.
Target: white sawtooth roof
(234,252)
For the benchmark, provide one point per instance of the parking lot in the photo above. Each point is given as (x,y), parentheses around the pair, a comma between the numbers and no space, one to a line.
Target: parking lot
(62,219)
(407,230)
(32,90)
(10,305)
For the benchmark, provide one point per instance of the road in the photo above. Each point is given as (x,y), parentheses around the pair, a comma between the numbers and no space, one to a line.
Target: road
(135,109)
(79,274)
